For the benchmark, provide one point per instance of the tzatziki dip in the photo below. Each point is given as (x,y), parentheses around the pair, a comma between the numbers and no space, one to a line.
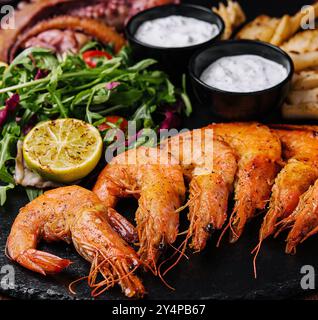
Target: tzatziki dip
(244,73)
(176,31)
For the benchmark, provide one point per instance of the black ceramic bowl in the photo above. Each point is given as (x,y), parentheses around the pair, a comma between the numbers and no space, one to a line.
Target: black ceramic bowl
(240,106)
(173,60)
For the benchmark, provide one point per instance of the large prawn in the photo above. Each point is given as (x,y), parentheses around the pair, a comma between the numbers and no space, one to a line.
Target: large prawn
(303,220)
(300,150)
(210,166)
(259,152)
(156,179)
(74,214)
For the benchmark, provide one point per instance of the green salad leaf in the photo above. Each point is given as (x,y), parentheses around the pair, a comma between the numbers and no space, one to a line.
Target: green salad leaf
(51,86)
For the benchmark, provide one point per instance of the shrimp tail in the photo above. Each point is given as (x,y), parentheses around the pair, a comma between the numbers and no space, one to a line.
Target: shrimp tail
(42,262)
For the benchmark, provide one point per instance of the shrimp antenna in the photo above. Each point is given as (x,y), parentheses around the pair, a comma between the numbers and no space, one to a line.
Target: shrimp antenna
(182,247)
(71,285)
(155,270)
(109,278)
(104,285)
(229,225)
(222,234)
(182,254)
(183,232)
(178,250)
(283,225)
(256,250)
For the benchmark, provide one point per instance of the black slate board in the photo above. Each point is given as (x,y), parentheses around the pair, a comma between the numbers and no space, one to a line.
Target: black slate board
(224,273)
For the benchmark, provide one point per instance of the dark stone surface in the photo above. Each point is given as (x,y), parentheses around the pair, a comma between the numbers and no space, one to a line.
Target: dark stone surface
(224,273)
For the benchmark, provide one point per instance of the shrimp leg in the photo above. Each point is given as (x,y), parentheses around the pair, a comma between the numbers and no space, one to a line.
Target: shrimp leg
(303,221)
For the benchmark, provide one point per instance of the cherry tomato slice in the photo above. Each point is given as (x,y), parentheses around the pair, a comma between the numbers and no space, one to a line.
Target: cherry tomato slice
(89,57)
(115,120)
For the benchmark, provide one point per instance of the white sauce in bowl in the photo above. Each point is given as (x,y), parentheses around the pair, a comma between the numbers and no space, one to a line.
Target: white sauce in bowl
(244,73)
(176,31)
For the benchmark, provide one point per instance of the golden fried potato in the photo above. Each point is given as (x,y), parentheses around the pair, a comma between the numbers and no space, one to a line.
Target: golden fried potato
(290,25)
(232,15)
(282,31)
(304,60)
(236,13)
(305,80)
(302,42)
(275,30)
(262,28)
(303,96)
(222,12)
(307,110)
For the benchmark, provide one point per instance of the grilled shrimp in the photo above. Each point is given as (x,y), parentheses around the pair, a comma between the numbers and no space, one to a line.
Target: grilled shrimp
(300,150)
(74,214)
(303,221)
(259,152)
(154,178)
(209,165)
(301,143)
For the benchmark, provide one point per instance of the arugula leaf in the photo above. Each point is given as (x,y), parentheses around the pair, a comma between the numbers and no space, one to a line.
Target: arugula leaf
(142,65)
(69,88)
(185,98)
(33,193)
(10,136)
(22,59)
(3,193)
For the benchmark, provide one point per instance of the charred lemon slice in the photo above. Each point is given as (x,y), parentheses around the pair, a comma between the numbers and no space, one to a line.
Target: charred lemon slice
(63,150)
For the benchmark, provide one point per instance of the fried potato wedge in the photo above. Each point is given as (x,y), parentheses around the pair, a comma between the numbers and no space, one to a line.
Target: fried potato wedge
(304,60)
(305,80)
(276,30)
(303,49)
(262,28)
(303,111)
(303,96)
(282,31)
(232,15)
(288,26)
(302,42)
